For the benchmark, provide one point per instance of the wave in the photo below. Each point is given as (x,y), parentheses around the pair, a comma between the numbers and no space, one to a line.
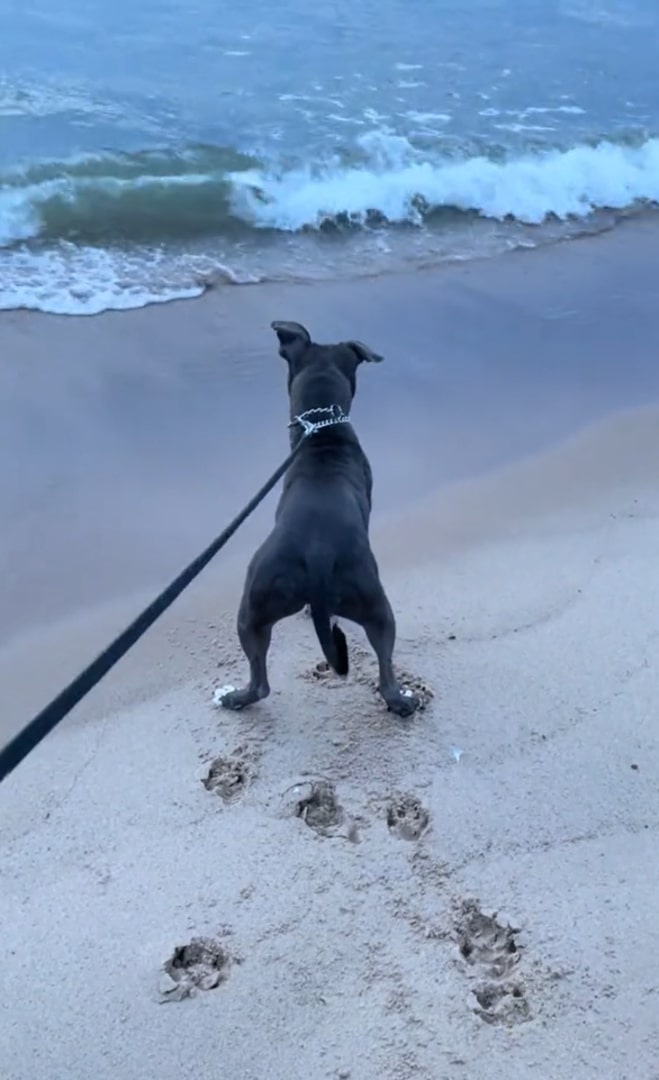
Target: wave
(114,231)
(159,196)
(530,189)
(145,196)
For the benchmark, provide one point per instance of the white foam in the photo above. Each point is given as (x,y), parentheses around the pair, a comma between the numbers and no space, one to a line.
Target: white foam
(71,280)
(396,178)
(517,127)
(429,117)
(374,117)
(221,692)
(538,110)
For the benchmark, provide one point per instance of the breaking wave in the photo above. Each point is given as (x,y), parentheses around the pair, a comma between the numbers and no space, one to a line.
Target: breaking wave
(91,211)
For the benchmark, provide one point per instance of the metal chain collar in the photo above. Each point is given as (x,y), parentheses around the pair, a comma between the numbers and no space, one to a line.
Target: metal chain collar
(334,414)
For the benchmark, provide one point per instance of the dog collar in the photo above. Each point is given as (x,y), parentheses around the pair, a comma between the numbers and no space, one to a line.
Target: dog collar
(333,414)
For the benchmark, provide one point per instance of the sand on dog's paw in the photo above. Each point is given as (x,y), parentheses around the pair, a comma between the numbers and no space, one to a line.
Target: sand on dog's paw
(491,953)
(229,777)
(407,818)
(221,692)
(202,965)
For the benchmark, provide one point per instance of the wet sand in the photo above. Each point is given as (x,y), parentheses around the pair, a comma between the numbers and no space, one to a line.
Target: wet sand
(514,438)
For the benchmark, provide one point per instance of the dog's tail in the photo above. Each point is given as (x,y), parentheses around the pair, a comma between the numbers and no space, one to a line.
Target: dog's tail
(331,637)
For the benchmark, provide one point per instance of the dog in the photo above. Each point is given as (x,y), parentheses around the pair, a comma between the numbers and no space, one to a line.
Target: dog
(318,554)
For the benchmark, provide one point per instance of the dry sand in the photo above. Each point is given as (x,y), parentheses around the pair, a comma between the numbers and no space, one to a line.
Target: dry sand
(471,894)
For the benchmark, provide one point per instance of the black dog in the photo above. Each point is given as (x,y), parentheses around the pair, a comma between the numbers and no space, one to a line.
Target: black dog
(318,553)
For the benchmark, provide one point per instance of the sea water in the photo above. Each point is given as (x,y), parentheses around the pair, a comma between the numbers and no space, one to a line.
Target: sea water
(147,149)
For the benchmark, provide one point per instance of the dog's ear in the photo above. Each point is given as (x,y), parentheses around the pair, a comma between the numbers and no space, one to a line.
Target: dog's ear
(293,337)
(364,353)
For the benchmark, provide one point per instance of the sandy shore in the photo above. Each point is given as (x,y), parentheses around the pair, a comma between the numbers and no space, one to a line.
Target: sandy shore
(474,897)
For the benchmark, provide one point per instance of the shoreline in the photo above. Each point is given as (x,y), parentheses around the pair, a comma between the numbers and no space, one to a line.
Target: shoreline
(221,278)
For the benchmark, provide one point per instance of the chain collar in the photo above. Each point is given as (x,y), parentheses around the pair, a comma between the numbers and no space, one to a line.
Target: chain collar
(334,414)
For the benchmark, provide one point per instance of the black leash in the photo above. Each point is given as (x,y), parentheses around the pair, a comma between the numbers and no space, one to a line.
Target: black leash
(31,735)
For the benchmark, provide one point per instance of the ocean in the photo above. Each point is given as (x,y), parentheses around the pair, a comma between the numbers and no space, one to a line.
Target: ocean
(150,150)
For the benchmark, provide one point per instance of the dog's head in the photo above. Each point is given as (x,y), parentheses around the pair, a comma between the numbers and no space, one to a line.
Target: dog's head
(320,375)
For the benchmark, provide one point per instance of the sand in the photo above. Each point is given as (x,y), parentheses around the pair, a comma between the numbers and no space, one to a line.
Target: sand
(467,894)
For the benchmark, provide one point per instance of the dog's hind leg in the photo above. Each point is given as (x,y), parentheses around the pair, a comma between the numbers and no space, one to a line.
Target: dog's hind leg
(255,640)
(380,629)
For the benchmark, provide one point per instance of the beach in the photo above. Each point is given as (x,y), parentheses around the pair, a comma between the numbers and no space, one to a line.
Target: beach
(467,894)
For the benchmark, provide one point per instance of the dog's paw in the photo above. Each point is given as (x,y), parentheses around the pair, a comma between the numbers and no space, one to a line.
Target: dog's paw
(233,701)
(227,697)
(417,688)
(404,704)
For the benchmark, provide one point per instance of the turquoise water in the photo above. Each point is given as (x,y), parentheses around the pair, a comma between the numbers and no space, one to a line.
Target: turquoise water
(148,149)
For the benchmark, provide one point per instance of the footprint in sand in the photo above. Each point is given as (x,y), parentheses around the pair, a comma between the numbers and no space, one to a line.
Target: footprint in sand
(202,965)
(492,954)
(319,808)
(315,803)
(360,661)
(320,672)
(407,818)
(229,776)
